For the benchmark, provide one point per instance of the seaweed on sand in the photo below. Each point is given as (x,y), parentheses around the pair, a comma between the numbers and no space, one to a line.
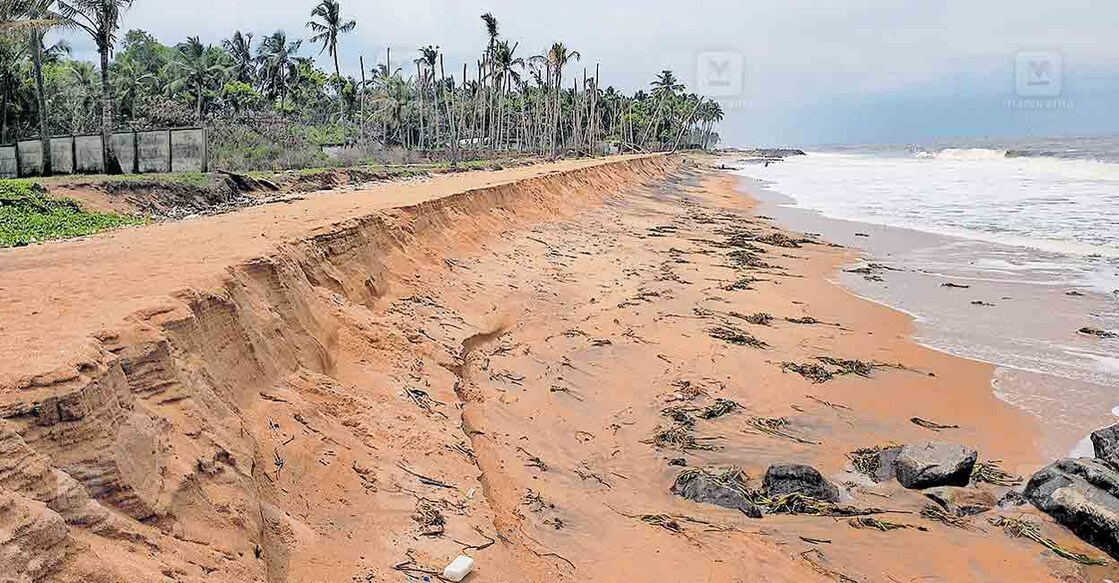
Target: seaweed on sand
(857,367)
(1022,528)
(939,514)
(744,258)
(735,336)
(811,371)
(867,460)
(870,522)
(797,503)
(680,437)
(717,409)
(776,426)
(991,473)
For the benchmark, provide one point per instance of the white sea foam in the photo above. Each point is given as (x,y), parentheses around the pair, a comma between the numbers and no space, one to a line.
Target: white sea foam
(1063,206)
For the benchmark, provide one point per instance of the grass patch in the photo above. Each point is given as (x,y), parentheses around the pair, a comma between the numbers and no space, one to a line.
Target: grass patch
(28,215)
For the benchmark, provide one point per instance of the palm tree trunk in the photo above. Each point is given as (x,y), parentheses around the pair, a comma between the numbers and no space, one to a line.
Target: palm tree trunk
(338,80)
(40,93)
(108,153)
(199,114)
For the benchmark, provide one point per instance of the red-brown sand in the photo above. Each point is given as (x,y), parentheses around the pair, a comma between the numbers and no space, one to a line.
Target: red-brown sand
(360,385)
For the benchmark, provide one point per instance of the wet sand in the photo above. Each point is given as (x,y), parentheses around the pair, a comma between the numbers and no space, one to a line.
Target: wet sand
(1016,308)
(361,399)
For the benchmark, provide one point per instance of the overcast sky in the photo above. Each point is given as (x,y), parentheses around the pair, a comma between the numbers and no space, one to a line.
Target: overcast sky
(812,71)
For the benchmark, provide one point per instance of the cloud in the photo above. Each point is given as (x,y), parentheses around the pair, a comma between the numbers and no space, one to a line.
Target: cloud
(800,55)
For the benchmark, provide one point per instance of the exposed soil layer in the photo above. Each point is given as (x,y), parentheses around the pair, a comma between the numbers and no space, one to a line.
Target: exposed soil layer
(360,384)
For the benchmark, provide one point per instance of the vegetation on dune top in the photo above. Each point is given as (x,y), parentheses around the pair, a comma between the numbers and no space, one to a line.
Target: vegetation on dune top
(28,215)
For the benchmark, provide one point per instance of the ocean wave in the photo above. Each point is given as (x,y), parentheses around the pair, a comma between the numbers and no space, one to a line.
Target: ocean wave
(966,154)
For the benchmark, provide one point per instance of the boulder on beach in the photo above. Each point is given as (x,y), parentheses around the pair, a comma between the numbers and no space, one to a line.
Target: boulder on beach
(962,501)
(1106,444)
(796,478)
(935,463)
(1081,495)
(726,488)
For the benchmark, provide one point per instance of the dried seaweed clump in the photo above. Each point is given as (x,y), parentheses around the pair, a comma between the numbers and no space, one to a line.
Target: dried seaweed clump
(735,336)
(797,503)
(819,373)
(680,437)
(811,371)
(717,409)
(858,367)
(991,473)
(868,460)
(744,258)
(742,284)
(882,525)
(777,427)
(1019,527)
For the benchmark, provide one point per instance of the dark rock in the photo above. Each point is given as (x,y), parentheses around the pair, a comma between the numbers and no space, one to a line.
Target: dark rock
(789,478)
(1106,443)
(727,489)
(1081,495)
(962,501)
(678,461)
(1098,333)
(935,463)
(886,459)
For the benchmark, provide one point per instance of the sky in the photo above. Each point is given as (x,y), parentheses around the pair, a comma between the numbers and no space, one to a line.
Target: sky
(788,73)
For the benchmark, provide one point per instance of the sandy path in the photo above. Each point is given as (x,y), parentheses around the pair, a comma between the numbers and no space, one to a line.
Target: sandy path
(487,373)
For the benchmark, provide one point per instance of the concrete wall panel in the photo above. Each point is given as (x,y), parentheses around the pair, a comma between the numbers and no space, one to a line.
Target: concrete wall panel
(62,155)
(31,158)
(89,155)
(188,150)
(7,161)
(155,152)
(126,151)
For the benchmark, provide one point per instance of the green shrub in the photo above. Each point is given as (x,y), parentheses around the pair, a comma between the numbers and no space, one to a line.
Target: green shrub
(28,215)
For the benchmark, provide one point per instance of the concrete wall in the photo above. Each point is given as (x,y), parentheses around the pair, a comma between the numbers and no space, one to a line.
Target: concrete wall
(125,147)
(62,155)
(88,149)
(155,152)
(180,150)
(31,158)
(8,162)
(188,151)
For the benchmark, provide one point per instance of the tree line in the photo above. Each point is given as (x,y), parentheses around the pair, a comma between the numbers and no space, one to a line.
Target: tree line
(265,96)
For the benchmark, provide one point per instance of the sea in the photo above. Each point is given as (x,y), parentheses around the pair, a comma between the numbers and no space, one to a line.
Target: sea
(1002,251)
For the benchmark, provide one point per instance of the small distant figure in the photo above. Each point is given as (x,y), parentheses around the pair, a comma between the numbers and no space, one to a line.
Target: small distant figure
(767,163)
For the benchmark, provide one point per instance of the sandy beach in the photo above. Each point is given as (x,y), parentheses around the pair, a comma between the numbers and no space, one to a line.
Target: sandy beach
(361,385)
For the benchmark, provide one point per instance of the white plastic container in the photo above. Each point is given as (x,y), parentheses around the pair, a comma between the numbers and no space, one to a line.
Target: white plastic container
(458,569)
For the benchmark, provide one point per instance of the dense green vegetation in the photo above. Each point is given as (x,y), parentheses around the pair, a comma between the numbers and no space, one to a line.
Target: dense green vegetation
(28,215)
(269,106)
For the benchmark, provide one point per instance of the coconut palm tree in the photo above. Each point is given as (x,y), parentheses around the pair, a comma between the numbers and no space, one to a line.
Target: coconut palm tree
(196,68)
(329,26)
(36,17)
(277,58)
(131,82)
(240,50)
(100,19)
(504,65)
(556,59)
